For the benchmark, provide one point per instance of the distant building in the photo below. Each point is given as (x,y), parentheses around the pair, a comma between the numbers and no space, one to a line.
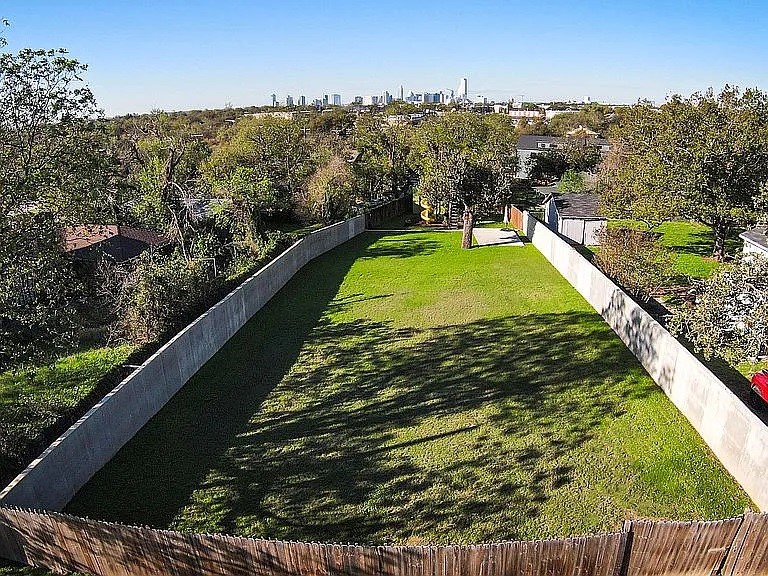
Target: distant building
(288,115)
(118,243)
(358,100)
(317,102)
(325,100)
(336,99)
(463,89)
(302,100)
(289,100)
(274,100)
(549,114)
(400,93)
(530,144)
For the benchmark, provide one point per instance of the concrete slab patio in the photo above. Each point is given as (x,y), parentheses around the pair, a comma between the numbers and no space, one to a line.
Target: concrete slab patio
(496,237)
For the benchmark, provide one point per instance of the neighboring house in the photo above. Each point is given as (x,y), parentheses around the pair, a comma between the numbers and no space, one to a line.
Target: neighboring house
(530,144)
(755,241)
(575,217)
(119,243)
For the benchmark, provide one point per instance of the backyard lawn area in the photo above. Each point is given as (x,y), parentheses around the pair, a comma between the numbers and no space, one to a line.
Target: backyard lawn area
(402,390)
(691,243)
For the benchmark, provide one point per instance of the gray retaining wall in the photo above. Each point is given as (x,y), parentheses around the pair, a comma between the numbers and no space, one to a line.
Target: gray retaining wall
(52,480)
(733,432)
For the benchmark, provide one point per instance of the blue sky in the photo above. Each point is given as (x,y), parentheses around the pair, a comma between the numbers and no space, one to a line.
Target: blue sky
(176,55)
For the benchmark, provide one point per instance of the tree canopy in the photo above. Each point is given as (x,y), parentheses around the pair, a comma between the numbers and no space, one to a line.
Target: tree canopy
(704,157)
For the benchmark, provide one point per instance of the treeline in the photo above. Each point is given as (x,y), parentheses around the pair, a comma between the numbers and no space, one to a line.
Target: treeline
(225,199)
(225,190)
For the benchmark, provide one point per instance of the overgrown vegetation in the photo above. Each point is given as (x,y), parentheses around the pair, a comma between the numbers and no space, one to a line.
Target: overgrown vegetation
(635,259)
(729,318)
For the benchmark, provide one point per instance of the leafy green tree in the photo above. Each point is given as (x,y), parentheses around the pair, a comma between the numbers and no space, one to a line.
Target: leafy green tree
(704,158)
(465,159)
(339,121)
(260,168)
(596,117)
(729,318)
(53,172)
(398,107)
(547,166)
(383,163)
(571,183)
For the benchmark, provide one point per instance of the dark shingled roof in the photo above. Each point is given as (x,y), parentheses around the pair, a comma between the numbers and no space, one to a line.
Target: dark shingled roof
(756,236)
(91,241)
(577,206)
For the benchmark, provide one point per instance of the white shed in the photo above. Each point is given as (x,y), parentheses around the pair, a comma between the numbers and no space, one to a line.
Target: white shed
(755,241)
(575,217)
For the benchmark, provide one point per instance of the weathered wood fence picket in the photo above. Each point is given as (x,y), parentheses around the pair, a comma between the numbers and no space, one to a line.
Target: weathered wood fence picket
(63,543)
(515,216)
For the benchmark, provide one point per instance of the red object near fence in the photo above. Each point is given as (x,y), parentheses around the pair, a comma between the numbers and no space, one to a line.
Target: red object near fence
(760,384)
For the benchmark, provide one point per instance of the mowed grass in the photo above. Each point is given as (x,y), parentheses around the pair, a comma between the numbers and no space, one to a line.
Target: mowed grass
(691,243)
(402,390)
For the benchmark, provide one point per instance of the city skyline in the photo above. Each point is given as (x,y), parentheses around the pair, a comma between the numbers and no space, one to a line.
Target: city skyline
(178,56)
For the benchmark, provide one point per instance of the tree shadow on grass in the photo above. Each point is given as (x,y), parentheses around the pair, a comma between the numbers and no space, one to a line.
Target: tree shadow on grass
(405,245)
(373,432)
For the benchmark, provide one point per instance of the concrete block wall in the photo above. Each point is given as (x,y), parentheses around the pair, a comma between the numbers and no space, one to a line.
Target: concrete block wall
(733,432)
(52,480)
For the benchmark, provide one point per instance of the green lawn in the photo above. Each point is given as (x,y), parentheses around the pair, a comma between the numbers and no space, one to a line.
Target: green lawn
(691,243)
(402,390)
(33,400)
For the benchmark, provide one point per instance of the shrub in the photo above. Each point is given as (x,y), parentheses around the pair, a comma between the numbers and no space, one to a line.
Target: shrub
(571,183)
(635,259)
(161,294)
(331,191)
(729,318)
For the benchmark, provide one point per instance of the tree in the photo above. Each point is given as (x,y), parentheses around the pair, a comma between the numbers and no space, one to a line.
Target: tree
(161,159)
(597,117)
(331,190)
(730,316)
(571,183)
(547,166)
(704,158)
(54,169)
(466,159)
(260,168)
(383,164)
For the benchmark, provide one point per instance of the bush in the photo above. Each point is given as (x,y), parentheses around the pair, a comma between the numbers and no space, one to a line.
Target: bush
(331,191)
(730,316)
(571,183)
(161,294)
(635,259)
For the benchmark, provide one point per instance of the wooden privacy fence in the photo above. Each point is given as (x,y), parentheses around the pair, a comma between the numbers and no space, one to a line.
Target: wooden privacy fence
(401,205)
(515,217)
(63,543)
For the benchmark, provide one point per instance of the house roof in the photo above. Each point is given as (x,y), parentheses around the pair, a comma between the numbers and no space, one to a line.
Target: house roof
(756,236)
(577,206)
(531,141)
(85,235)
